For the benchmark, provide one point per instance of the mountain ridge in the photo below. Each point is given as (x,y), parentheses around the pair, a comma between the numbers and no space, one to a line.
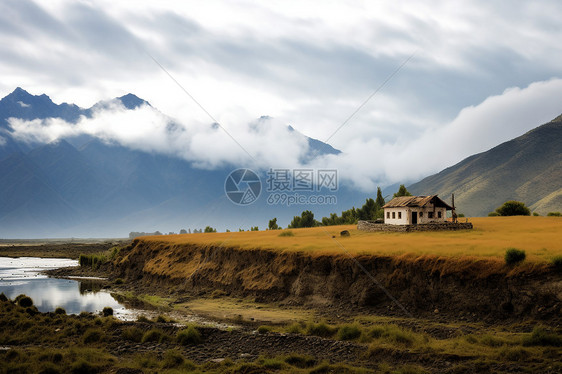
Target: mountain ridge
(527,168)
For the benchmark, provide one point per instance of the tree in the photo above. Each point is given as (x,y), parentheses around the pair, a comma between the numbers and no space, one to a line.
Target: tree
(306,219)
(369,210)
(210,229)
(255,228)
(273,224)
(380,200)
(402,191)
(513,208)
(183,231)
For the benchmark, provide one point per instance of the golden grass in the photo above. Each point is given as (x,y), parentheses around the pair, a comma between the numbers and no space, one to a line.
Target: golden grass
(491,236)
(226,308)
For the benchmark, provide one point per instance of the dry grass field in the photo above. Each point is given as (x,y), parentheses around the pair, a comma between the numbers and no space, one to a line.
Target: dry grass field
(540,237)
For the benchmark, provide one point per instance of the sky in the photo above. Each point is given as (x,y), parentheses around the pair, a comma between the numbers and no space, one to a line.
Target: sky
(403,89)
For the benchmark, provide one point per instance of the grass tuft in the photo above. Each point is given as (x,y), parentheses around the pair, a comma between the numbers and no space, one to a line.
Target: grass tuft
(514,256)
(189,336)
(152,335)
(286,233)
(349,332)
(321,329)
(542,337)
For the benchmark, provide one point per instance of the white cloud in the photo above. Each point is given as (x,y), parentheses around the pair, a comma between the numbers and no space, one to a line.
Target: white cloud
(268,142)
(499,118)
(23,105)
(306,65)
(366,162)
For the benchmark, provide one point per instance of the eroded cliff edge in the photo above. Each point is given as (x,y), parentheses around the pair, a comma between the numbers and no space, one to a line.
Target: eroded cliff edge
(478,287)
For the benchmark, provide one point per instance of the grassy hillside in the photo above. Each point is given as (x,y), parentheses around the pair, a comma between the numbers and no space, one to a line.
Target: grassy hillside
(527,168)
(538,236)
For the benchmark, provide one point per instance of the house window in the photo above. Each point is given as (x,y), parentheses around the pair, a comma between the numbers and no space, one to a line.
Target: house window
(421,214)
(388,215)
(393,215)
(399,215)
(429,214)
(438,214)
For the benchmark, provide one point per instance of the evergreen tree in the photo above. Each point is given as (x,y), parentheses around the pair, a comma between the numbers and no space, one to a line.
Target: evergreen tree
(273,224)
(369,210)
(402,191)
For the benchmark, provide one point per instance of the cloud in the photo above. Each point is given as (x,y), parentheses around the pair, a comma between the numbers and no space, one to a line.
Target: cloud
(370,162)
(304,65)
(366,162)
(261,143)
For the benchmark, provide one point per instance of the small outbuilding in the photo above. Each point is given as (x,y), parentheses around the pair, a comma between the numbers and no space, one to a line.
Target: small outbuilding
(413,210)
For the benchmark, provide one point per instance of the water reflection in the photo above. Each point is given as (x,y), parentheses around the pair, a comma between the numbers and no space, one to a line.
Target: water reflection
(22,276)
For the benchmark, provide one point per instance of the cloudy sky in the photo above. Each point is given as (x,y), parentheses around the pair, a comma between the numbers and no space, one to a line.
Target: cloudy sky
(451,78)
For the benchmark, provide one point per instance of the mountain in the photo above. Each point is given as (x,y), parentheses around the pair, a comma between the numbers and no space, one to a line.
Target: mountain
(527,168)
(83,186)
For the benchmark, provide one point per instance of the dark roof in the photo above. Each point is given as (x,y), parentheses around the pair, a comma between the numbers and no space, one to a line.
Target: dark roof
(416,201)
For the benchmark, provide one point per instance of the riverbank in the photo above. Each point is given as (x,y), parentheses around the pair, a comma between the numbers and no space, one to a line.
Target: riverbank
(283,304)
(55,248)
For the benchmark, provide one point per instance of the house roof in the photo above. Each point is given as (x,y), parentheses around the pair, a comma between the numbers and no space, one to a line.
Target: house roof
(417,201)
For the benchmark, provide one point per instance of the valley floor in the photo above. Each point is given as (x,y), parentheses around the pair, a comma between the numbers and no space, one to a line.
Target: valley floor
(253,333)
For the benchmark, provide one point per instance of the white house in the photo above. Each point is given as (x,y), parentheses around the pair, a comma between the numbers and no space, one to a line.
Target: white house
(412,210)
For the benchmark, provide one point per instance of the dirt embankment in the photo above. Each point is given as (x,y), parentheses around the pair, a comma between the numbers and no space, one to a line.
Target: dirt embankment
(55,249)
(475,288)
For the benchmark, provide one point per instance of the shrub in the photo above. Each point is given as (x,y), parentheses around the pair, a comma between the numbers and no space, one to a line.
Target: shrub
(92,336)
(189,336)
(161,319)
(172,359)
(3,297)
(286,233)
(142,318)
(554,214)
(264,329)
(349,332)
(107,311)
(153,335)
(557,262)
(272,363)
(535,214)
(94,260)
(514,256)
(24,301)
(493,214)
(321,329)
(294,328)
(393,334)
(541,337)
(513,208)
(133,334)
(119,281)
(300,361)
(83,367)
(514,354)
(60,310)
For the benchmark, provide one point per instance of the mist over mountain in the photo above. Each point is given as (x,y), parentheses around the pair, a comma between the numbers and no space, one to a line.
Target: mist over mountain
(60,178)
(527,168)
(86,186)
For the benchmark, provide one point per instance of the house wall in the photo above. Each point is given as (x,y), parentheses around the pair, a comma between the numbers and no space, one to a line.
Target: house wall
(402,212)
(406,215)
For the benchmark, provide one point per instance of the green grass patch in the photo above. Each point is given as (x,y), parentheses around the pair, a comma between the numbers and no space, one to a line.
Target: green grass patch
(542,337)
(286,233)
(189,336)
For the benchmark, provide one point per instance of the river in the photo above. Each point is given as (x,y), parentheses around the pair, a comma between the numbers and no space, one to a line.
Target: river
(23,275)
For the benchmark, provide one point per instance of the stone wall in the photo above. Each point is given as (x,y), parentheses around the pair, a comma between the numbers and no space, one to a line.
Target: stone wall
(437,226)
